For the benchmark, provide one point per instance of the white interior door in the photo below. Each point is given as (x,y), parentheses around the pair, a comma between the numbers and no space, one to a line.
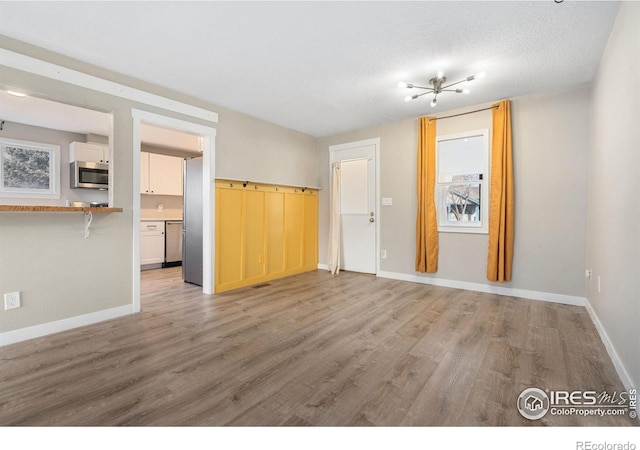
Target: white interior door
(358,207)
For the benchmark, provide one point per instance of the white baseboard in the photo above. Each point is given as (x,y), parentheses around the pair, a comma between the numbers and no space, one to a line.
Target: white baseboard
(323,266)
(615,358)
(23,334)
(490,289)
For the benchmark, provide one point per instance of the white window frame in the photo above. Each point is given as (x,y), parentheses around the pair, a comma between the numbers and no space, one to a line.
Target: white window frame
(466,227)
(54,170)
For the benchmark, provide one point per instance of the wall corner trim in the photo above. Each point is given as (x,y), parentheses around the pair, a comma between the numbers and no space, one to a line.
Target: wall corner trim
(615,358)
(23,334)
(53,71)
(487,288)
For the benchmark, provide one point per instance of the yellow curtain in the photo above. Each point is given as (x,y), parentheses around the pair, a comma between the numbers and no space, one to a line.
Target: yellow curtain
(501,203)
(426,225)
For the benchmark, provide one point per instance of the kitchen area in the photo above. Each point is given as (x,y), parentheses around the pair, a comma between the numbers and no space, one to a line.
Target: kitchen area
(70,145)
(171,202)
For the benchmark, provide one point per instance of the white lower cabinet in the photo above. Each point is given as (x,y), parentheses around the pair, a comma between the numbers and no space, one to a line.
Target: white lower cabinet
(152,242)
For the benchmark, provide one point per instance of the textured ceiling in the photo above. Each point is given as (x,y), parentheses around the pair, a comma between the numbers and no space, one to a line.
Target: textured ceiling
(326,67)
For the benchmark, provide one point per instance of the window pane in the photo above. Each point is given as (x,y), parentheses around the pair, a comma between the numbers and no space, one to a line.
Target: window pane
(354,182)
(460,158)
(460,203)
(26,168)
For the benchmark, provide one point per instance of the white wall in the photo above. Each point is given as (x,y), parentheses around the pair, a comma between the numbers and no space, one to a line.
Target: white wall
(613,233)
(550,150)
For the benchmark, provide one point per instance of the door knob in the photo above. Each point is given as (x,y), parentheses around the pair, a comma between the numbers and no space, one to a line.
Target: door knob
(371,219)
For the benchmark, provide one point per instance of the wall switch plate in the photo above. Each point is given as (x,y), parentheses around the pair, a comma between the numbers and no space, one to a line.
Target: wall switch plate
(387,201)
(383,254)
(599,285)
(11,300)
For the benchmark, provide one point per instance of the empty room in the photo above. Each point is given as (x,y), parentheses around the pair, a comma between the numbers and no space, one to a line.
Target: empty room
(320,214)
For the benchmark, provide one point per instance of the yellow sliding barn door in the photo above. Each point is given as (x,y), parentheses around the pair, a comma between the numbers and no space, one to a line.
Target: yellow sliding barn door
(228,224)
(310,230)
(275,232)
(263,232)
(293,232)
(254,227)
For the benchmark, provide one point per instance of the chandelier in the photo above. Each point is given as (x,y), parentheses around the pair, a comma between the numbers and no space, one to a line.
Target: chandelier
(438,85)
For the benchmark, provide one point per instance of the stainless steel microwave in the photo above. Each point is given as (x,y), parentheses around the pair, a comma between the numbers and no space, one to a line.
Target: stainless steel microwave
(89,175)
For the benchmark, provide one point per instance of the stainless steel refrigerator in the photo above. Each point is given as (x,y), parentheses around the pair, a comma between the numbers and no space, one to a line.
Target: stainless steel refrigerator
(192,223)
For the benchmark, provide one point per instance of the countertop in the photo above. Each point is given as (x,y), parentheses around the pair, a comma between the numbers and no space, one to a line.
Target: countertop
(40,208)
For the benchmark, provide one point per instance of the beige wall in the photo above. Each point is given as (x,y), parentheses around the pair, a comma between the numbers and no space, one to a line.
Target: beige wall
(254,150)
(45,256)
(550,148)
(613,236)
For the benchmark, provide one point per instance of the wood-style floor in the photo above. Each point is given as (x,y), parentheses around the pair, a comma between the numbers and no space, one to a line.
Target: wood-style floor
(312,349)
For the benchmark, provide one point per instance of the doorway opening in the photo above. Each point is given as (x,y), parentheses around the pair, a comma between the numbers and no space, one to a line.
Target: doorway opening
(167,142)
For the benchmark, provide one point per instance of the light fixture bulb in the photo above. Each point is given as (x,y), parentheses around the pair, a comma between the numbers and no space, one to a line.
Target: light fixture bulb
(407,98)
(16,94)
(402,84)
(466,91)
(434,102)
(481,75)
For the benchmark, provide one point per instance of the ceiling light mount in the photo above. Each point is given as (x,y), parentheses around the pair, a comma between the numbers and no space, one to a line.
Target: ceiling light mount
(438,86)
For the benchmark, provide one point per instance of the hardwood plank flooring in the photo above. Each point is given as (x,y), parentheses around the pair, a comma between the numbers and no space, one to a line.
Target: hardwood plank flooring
(312,349)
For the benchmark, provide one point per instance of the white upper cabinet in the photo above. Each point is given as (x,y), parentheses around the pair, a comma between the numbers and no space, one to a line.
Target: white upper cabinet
(88,151)
(160,174)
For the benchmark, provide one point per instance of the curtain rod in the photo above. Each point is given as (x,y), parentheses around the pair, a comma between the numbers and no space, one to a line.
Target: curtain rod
(465,113)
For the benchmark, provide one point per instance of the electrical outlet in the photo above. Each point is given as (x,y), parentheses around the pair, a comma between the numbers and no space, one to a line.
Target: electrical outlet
(588,273)
(11,300)
(383,254)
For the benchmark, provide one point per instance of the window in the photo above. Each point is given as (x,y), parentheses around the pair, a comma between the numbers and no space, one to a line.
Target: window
(462,189)
(29,169)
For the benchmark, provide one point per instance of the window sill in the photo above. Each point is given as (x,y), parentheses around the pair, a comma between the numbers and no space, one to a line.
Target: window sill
(464,230)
